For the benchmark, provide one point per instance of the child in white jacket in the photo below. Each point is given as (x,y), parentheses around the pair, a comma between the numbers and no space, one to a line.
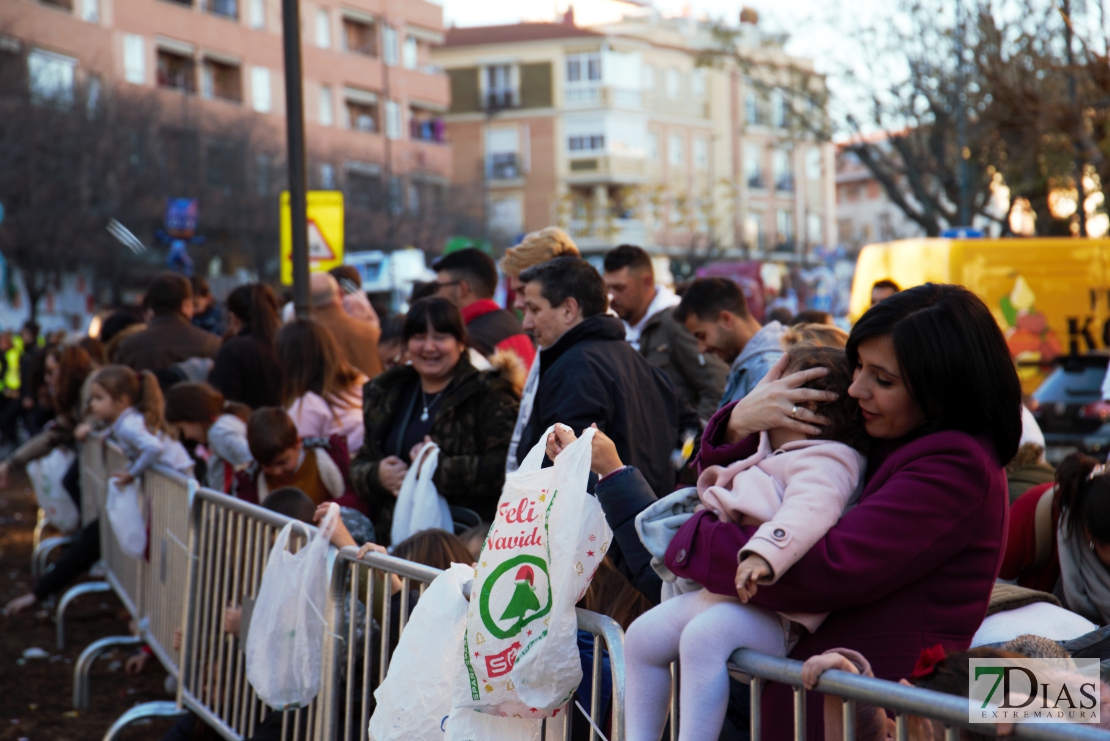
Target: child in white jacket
(202,414)
(794,489)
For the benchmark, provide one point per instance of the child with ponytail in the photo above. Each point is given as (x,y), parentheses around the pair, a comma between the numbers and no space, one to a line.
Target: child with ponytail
(1083,535)
(202,414)
(131,404)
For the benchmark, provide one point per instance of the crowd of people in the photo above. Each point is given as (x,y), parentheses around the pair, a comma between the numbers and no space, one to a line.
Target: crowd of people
(785,486)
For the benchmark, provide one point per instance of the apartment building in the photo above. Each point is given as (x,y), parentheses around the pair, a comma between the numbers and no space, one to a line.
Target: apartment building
(618,134)
(865,213)
(373,99)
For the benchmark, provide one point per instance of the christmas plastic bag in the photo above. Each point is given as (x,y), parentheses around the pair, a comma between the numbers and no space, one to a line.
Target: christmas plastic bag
(126,518)
(46,476)
(415,699)
(546,542)
(465,724)
(419,506)
(286,637)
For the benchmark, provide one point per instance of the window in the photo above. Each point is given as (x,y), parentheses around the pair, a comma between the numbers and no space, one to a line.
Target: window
(425,126)
(327,176)
(410,53)
(778,109)
(753,232)
(90,11)
(395,203)
(262,174)
(781,170)
(389,44)
(814,226)
(753,166)
(361,110)
(503,153)
(813,163)
(226,8)
(392,119)
(653,147)
(784,228)
(583,68)
(134,59)
(751,108)
(63,4)
(221,80)
(92,97)
(697,82)
(506,215)
(260,89)
(649,78)
(701,152)
(50,77)
(586,143)
(674,150)
(359,37)
(176,71)
(413,199)
(674,82)
(323,29)
(257,9)
(324,108)
(499,86)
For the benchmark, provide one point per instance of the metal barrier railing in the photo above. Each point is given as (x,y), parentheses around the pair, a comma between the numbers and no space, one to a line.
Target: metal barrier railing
(229,544)
(903,701)
(125,574)
(360,603)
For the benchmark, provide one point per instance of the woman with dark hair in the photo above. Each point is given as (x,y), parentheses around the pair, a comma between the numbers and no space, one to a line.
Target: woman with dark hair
(1081,513)
(441,398)
(321,391)
(912,564)
(246,369)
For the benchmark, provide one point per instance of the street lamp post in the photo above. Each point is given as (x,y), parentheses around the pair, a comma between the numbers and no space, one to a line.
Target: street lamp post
(294,126)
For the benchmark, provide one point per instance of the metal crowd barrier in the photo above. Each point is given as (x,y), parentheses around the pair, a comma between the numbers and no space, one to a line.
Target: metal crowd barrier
(903,701)
(359,604)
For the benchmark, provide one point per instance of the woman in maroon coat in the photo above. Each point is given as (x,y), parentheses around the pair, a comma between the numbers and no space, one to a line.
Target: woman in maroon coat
(913,562)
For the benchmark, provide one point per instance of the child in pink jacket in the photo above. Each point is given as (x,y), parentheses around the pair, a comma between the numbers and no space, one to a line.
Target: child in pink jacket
(794,488)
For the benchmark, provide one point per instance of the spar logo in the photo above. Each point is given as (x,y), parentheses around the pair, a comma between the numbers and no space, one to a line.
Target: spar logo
(1034,691)
(514,595)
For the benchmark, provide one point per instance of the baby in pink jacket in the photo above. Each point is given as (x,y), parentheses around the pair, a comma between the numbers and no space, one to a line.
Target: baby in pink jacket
(794,488)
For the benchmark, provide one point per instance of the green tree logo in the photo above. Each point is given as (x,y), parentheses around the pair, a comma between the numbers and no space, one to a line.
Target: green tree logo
(524,598)
(524,605)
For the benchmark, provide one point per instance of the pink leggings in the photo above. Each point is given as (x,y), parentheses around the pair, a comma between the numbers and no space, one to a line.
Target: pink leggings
(701,630)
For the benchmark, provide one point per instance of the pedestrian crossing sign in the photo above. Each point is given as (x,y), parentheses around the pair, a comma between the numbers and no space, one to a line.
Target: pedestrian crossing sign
(325,232)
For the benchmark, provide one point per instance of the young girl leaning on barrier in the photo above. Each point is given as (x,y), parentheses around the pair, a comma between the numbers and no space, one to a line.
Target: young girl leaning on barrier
(202,414)
(131,405)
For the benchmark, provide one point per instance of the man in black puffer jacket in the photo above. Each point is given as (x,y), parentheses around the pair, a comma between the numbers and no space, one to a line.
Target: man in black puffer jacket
(589,374)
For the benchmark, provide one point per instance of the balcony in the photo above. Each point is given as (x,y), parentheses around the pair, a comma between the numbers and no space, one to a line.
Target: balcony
(607,232)
(176,71)
(607,168)
(587,96)
(755,180)
(503,166)
(499,99)
(785,183)
(427,129)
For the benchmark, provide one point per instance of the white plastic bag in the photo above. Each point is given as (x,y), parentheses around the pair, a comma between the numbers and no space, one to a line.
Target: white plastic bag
(46,476)
(547,540)
(126,517)
(415,699)
(465,724)
(285,641)
(419,506)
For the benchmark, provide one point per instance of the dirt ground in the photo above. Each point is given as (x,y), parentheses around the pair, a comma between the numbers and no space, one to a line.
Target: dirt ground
(36,694)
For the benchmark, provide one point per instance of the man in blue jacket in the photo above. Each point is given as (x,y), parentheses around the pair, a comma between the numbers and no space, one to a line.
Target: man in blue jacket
(590,374)
(716,313)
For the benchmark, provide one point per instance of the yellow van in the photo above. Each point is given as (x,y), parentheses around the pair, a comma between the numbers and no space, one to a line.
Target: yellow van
(1051,296)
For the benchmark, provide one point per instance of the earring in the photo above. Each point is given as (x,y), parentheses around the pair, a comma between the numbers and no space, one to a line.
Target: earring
(1091,544)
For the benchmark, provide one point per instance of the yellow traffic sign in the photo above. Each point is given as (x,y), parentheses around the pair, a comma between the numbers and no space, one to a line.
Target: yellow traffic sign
(325,232)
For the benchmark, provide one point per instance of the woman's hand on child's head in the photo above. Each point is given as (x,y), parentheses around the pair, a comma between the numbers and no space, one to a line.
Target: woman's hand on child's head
(558,440)
(751,570)
(122,478)
(817,665)
(372,547)
(779,401)
(391,473)
(340,536)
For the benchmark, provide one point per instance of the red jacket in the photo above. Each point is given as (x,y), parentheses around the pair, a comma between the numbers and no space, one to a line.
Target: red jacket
(1021,544)
(910,566)
(492,328)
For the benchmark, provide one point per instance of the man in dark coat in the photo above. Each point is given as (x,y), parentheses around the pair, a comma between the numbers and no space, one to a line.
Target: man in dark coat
(589,374)
(647,311)
(468,278)
(169,337)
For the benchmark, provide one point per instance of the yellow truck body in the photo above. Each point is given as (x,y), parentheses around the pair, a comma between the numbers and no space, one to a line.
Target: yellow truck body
(1051,296)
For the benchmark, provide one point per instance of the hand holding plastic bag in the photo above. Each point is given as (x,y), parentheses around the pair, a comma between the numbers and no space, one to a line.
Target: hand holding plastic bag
(285,642)
(419,506)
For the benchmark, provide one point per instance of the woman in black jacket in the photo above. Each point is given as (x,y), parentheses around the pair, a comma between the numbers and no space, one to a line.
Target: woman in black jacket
(246,369)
